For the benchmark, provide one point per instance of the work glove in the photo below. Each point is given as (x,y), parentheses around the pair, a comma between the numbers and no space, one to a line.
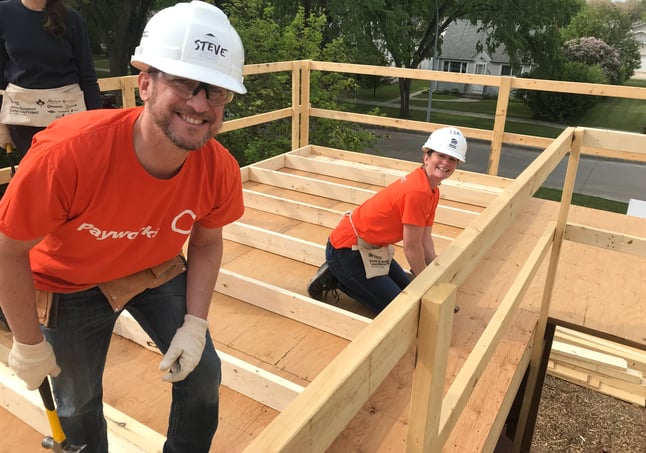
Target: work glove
(33,362)
(5,136)
(185,350)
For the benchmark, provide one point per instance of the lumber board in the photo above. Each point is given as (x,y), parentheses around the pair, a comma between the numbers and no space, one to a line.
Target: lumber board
(635,358)
(478,181)
(615,140)
(606,239)
(329,318)
(580,378)
(461,191)
(346,193)
(280,244)
(254,382)
(581,355)
(599,364)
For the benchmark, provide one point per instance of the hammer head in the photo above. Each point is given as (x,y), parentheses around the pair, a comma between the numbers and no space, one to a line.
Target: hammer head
(50,444)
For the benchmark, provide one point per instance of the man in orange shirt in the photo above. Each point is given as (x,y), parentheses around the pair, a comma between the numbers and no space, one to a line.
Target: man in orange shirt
(359,250)
(95,222)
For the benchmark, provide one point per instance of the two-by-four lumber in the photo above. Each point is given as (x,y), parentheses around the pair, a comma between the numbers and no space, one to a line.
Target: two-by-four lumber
(480,182)
(465,187)
(608,143)
(304,212)
(238,375)
(346,193)
(599,364)
(583,378)
(610,240)
(292,305)
(635,358)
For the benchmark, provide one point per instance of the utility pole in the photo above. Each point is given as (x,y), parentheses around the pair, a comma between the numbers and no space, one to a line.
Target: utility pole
(433,83)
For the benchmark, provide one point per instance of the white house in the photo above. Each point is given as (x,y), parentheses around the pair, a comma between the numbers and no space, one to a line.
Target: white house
(458,54)
(639,31)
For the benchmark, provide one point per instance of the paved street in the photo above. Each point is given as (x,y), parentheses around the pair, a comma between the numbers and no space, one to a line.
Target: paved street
(613,180)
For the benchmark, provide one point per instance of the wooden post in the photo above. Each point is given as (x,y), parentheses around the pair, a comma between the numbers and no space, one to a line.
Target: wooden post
(433,342)
(504,91)
(537,351)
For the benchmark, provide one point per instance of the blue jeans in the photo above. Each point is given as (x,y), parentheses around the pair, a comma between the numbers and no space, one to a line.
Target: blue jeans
(80,341)
(375,293)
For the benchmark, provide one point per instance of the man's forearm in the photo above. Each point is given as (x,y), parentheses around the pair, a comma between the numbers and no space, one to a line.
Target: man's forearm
(203,269)
(17,297)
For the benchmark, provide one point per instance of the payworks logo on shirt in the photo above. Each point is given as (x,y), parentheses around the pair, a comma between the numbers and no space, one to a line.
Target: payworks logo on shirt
(182,223)
(101,235)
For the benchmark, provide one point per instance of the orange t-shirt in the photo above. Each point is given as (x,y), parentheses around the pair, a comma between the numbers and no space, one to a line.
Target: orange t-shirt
(100,213)
(380,219)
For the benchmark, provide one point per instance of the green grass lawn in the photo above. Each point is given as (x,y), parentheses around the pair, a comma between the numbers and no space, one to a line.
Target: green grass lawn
(618,113)
(584,200)
(613,113)
(458,119)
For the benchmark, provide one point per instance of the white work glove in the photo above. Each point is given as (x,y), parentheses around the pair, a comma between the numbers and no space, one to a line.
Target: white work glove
(185,350)
(5,136)
(33,362)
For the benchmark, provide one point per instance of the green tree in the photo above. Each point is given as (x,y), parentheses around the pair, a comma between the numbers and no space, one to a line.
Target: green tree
(611,24)
(272,37)
(118,24)
(406,30)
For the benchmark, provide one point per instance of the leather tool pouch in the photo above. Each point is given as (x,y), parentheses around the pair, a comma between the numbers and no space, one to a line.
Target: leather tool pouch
(44,304)
(120,291)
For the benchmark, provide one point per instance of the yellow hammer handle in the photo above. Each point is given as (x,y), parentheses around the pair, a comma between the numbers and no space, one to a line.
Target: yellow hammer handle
(54,422)
(57,430)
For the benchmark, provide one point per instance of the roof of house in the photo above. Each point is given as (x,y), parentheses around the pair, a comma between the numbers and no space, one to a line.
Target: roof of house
(460,43)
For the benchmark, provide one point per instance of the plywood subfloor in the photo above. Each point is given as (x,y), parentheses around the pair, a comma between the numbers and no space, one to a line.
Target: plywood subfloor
(298,352)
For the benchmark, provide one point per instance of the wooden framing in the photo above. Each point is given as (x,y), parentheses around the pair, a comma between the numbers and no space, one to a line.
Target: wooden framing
(447,373)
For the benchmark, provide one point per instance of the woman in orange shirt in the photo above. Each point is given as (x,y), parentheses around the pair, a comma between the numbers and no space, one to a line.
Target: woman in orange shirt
(359,250)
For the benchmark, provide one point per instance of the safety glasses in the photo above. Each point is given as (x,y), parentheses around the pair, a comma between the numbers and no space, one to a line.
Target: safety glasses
(187,88)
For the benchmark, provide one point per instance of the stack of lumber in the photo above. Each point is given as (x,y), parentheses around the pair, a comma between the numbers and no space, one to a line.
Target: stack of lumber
(602,365)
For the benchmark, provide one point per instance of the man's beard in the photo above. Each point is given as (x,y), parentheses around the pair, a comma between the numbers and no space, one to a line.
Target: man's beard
(179,142)
(161,118)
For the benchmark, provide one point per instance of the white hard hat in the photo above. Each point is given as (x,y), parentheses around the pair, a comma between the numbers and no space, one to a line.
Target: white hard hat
(196,41)
(449,141)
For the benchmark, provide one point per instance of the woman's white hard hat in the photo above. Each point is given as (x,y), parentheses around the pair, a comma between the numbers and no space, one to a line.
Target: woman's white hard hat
(196,41)
(449,141)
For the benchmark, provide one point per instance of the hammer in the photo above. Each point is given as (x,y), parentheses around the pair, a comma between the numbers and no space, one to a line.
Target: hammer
(57,441)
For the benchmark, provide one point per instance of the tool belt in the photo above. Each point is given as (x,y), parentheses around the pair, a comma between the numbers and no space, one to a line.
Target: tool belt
(120,291)
(39,107)
(376,258)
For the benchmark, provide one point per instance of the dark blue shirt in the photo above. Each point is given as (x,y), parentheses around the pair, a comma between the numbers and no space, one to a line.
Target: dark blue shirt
(31,57)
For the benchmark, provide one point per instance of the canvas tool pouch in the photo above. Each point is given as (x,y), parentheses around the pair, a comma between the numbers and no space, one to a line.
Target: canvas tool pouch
(120,291)
(376,259)
(38,108)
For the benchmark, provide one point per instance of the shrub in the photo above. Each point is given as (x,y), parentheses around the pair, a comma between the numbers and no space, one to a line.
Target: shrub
(593,51)
(563,107)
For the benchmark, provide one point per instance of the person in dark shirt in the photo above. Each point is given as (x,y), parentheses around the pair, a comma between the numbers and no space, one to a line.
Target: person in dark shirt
(44,44)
